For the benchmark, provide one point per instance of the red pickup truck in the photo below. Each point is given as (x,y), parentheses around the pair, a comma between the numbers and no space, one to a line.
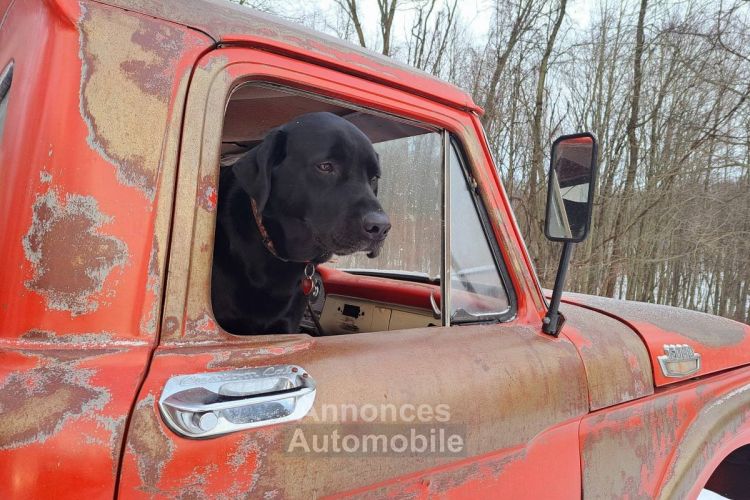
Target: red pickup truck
(438,369)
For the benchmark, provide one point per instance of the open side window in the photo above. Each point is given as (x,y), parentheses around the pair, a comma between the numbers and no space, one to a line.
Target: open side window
(401,287)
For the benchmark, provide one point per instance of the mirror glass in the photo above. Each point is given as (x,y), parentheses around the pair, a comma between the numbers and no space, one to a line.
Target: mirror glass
(571,192)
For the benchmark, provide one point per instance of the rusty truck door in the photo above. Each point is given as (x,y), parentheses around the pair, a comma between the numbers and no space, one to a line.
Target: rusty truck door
(512,395)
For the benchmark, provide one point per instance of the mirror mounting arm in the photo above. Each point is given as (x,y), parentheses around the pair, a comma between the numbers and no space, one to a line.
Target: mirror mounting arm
(553,321)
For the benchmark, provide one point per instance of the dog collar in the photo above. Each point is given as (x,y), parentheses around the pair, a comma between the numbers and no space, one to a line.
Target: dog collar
(264,232)
(307,279)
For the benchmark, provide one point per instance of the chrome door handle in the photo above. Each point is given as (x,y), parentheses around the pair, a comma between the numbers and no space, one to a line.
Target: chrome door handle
(211,404)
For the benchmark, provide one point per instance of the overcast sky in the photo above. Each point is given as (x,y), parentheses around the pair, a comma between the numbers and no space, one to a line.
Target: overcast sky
(476,14)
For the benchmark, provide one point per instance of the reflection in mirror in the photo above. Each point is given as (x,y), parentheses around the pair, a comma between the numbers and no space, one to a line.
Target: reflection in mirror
(570,193)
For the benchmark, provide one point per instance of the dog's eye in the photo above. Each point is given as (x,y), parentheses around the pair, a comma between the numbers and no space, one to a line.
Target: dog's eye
(374,184)
(326,167)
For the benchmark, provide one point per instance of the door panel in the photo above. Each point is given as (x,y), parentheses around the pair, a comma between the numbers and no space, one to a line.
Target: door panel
(504,386)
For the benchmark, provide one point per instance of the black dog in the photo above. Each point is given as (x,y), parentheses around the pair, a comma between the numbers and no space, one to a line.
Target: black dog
(308,191)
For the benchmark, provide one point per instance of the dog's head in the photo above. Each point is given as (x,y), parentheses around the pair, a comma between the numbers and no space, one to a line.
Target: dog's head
(315,181)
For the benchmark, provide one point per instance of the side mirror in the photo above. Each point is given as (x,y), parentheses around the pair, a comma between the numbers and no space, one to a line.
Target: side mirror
(570,195)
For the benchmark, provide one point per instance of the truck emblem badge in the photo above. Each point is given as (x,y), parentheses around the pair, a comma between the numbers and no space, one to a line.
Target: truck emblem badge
(679,360)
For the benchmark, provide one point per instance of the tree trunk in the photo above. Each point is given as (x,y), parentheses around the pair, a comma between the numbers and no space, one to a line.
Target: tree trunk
(618,250)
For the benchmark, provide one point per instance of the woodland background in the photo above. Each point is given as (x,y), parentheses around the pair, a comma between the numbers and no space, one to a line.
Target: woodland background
(665,87)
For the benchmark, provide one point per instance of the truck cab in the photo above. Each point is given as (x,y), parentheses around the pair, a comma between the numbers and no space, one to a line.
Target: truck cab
(116,379)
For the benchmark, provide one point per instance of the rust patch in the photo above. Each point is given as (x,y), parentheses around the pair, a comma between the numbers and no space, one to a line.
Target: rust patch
(171,325)
(127,73)
(70,257)
(251,455)
(207,194)
(149,444)
(618,367)
(717,422)
(246,356)
(47,337)
(153,284)
(153,74)
(713,331)
(37,403)
(203,326)
(115,428)
(623,450)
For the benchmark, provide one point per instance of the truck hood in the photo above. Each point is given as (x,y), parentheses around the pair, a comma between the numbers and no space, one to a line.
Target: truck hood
(721,343)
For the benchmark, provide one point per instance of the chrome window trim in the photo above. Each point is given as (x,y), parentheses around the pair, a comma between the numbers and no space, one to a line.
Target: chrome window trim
(445,278)
(499,262)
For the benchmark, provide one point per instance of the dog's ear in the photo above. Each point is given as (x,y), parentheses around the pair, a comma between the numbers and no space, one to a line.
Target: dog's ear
(253,171)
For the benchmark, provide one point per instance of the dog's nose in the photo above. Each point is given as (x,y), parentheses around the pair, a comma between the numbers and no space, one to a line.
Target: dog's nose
(376,225)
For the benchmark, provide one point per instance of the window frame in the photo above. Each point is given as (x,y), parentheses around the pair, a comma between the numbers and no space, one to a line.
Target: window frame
(6,81)
(188,314)
(484,222)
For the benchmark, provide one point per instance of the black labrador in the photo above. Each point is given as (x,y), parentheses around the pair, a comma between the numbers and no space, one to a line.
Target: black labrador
(305,193)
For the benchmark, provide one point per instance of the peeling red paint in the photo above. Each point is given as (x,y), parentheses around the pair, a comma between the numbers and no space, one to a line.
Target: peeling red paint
(207,194)
(618,368)
(100,108)
(137,56)
(153,285)
(70,256)
(80,339)
(171,325)
(37,404)
(665,444)
(203,326)
(722,343)
(164,43)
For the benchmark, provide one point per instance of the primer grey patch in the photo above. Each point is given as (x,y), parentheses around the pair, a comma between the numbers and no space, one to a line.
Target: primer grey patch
(202,325)
(256,444)
(148,443)
(101,339)
(45,177)
(46,336)
(70,257)
(124,176)
(37,403)
(149,321)
(115,427)
(713,331)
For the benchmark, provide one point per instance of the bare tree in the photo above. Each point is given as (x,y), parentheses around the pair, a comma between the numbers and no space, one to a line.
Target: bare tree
(350,7)
(387,14)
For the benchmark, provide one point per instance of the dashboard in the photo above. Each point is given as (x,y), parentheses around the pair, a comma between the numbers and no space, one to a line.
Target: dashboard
(347,303)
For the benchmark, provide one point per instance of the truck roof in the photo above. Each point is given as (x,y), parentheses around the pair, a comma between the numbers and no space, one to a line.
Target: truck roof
(228,23)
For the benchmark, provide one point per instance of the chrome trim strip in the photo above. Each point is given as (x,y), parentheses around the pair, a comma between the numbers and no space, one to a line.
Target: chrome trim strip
(445,278)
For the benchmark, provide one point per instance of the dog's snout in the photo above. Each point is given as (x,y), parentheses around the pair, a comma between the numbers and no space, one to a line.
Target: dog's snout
(376,225)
